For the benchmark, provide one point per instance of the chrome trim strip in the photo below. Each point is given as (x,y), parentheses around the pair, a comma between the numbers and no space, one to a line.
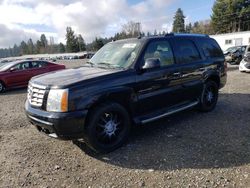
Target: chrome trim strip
(169,113)
(53,135)
(40,121)
(37,86)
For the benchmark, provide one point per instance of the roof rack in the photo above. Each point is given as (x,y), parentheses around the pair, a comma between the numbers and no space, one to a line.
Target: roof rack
(186,34)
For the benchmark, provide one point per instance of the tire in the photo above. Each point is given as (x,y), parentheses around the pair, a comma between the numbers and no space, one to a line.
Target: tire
(209,96)
(108,127)
(2,87)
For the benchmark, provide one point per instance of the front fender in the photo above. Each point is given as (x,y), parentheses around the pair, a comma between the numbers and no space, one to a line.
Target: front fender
(123,95)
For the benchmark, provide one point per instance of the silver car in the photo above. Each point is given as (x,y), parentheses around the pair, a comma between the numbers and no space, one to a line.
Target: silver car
(245,62)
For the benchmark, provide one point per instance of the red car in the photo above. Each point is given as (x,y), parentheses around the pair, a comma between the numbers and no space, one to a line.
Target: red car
(17,74)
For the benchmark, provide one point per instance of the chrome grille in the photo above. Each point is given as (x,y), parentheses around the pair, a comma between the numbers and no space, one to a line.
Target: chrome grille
(36,94)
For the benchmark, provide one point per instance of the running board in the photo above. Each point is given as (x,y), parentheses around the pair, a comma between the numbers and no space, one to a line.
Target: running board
(170,112)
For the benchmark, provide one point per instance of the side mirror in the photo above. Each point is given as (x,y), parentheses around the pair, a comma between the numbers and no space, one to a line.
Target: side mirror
(152,63)
(13,69)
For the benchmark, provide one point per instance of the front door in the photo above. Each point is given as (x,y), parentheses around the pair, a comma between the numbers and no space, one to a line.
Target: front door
(158,88)
(20,75)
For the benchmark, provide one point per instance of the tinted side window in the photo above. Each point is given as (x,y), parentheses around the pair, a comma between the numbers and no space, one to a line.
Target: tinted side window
(160,50)
(210,48)
(35,64)
(186,51)
(38,64)
(22,66)
(43,63)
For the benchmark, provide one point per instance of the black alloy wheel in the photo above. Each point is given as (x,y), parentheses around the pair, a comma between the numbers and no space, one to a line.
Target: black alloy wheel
(209,96)
(108,127)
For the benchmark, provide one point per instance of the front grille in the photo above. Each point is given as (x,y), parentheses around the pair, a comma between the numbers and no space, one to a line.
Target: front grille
(36,94)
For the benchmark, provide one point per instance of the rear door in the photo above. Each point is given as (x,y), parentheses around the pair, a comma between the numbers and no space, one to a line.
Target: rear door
(38,67)
(158,88)
(192,65)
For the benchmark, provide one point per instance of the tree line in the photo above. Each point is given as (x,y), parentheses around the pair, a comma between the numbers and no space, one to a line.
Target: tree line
(75,43)
(227,16)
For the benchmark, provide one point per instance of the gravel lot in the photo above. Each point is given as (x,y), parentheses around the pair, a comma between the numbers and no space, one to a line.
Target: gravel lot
(189,149)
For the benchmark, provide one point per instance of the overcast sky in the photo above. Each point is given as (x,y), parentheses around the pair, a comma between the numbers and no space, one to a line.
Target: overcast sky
(24,19)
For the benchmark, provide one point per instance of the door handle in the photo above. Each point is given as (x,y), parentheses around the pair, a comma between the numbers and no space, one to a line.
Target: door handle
(202,69)
(177,74)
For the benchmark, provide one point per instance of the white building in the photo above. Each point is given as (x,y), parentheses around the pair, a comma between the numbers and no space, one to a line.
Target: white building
(232,39)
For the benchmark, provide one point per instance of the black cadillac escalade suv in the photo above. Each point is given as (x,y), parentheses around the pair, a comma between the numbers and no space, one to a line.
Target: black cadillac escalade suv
(127,82)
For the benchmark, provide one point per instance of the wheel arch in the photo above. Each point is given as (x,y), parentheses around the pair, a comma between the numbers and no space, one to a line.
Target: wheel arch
(122,96)
(1,81)
(213,77)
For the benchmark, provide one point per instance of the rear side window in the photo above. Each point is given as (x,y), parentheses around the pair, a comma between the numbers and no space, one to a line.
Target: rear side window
(186,51)
(210,48)
(38,64)
(43,63)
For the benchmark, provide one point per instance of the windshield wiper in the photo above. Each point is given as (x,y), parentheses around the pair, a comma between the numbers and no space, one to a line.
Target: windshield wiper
(105,64)
(88,63)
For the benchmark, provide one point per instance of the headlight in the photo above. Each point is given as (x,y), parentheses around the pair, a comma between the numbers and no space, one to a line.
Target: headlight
(58,100)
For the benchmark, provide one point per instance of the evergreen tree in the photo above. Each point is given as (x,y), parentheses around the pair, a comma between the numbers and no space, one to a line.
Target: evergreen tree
(189,28)
(179,22)
(98,43)
(81,43)
(44,41)
(61,48)
(44,44)
(38,46)
(231,16)
(24,48)
(31,47)
(16,50)
(71,41)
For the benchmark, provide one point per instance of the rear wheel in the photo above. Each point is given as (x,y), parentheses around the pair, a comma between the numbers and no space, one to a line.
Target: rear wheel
(2,87)
(209,96)
(108,127)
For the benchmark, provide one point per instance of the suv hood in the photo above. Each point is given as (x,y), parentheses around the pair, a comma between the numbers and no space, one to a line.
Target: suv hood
(67,77)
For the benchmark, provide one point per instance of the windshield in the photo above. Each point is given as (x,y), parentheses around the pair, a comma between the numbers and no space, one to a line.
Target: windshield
(232,49)
(120,54)
(6,66)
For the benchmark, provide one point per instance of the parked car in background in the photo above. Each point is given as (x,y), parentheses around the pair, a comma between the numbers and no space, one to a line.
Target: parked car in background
(235,54)
(245,62)
(127,82)
(18,73)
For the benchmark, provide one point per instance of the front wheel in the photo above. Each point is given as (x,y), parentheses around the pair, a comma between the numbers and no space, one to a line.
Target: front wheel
(108,127)
(209,96)
(2,87)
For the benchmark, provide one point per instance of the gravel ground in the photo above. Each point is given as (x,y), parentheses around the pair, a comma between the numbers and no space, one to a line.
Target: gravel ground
(189,149)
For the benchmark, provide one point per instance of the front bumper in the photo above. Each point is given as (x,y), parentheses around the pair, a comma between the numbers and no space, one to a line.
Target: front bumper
(67,126)
(244,66)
